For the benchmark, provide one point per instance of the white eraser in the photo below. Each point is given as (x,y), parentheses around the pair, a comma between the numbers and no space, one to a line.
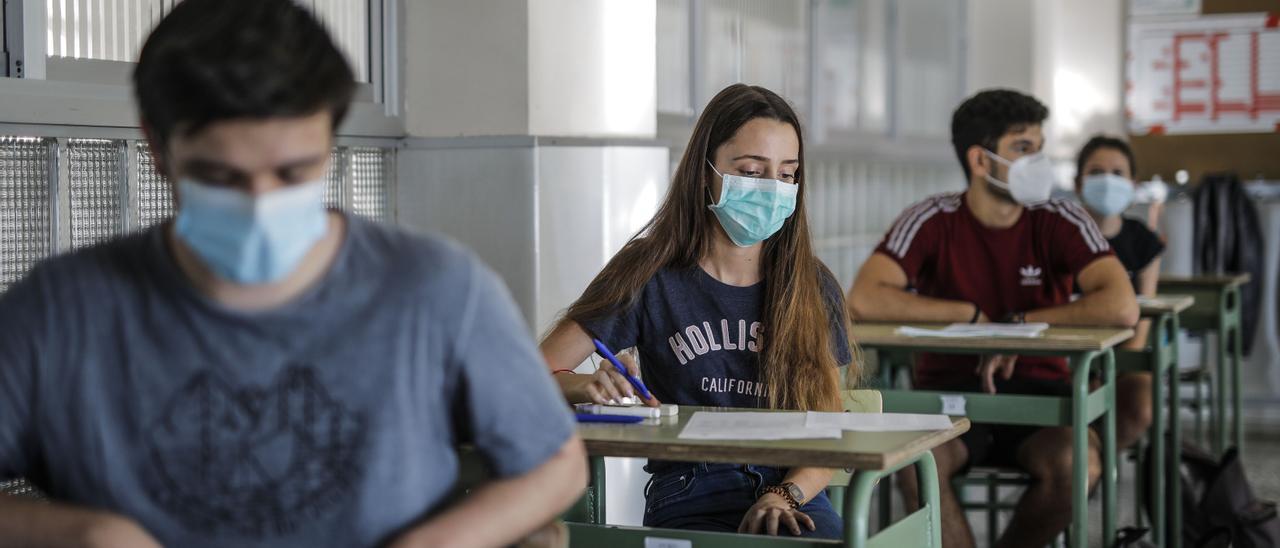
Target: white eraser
(665,410)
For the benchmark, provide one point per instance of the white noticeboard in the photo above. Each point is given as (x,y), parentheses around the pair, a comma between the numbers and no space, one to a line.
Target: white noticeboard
(1209,74)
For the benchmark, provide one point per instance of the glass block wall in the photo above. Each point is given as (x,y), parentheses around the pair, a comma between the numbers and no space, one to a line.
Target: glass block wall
(370,195)
(62,194)
(333,179)
(852,203)
(155,198)
(97,184)
(26,230)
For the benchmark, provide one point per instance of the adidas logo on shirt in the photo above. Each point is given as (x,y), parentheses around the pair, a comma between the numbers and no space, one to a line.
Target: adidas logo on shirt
(1030,275)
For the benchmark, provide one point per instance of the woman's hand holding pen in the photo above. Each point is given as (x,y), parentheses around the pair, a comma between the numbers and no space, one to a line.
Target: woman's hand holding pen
(605,384)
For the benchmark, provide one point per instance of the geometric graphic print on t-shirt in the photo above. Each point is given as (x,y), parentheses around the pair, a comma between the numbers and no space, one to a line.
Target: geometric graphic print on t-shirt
(947,253)
(254,461)
(699,339)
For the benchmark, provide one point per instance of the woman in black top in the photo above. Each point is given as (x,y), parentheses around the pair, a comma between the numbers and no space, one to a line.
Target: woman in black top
(1104,179)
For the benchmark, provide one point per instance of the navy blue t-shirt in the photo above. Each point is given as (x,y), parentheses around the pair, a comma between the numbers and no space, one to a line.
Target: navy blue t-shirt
(699,338)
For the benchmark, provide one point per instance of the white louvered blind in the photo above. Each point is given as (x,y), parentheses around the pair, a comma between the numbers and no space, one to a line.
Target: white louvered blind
(114,30)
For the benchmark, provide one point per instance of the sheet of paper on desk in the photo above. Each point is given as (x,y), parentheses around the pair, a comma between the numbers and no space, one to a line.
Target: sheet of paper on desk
(877,422)
(978,330)
(711,425)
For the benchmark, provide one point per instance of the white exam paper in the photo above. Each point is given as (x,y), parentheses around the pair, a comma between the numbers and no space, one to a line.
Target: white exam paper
(877,422)
(978,330)
(748,425)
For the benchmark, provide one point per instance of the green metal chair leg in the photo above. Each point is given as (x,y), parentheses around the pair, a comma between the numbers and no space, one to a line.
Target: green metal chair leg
(858,506)
(1173,535)
(1221,397)
(1080,449)
(1109,450)
(927,472)
(993,511)
(858,502)
(1237,359)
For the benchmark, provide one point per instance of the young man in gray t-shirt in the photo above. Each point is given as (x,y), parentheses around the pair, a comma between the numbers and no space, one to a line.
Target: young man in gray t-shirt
(262,371)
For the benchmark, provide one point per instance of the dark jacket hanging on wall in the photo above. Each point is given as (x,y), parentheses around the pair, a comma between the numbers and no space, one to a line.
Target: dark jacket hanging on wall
(1228,239)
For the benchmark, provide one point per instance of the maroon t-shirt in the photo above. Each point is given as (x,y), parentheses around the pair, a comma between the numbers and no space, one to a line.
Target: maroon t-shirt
(946,253)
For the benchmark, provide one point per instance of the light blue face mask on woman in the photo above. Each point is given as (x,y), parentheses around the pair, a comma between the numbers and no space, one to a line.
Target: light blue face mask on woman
(248,239)
(751,210)
(1107,194)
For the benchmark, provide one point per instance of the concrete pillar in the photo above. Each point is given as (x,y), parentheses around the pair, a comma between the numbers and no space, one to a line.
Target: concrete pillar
(531,135)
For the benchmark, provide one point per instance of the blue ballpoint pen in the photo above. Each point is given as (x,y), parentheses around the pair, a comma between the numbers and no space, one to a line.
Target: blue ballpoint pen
(611,419)
(604,351)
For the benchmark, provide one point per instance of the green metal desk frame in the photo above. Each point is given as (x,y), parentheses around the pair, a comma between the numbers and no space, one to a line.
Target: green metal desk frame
(1218,309)
(1076,411)
(922,528)
(1160,358)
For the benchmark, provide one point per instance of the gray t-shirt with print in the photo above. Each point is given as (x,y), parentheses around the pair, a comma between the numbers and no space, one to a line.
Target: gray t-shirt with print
(330,421)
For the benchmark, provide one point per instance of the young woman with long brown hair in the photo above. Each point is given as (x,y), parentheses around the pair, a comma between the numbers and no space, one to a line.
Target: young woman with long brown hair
(727,306)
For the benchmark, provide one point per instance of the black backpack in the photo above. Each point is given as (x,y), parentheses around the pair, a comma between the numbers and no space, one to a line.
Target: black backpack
(1219,509)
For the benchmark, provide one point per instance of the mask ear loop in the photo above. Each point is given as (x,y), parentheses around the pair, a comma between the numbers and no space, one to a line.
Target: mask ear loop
(711,200)
(995,159)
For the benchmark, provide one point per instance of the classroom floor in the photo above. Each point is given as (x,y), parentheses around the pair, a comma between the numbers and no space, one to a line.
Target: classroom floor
(1262,466)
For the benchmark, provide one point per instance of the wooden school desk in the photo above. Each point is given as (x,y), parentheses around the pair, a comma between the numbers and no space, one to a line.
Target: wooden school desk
(1083,348)
(871,455)
(1217,309)
(1160,358)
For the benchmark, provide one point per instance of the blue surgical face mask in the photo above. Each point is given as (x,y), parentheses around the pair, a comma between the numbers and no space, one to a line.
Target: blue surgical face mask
(1107,194)
(251,239)
(751,210)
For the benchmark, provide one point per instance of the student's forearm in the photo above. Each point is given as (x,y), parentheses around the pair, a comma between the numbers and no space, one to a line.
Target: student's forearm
(810,480)
(32,524)
(1101,308)
(504,511)
(1139,340)
(890,304)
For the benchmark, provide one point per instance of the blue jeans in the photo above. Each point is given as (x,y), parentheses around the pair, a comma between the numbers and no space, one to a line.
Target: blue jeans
(715,497)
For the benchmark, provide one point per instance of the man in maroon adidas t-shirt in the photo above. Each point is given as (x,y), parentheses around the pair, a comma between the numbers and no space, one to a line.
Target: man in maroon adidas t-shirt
(1000,250)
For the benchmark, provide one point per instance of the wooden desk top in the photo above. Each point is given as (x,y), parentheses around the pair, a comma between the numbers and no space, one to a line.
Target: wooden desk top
(1065,340)
(1217,280)
(1164,304)
(860,450)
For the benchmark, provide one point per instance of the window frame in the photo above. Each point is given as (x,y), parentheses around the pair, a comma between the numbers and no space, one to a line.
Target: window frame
(95,92)
(673,126)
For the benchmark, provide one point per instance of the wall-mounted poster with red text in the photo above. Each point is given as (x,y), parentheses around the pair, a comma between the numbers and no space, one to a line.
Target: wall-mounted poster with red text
(1208,74)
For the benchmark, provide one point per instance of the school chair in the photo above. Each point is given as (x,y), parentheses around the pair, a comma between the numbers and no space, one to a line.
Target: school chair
(895,367)
(852,401)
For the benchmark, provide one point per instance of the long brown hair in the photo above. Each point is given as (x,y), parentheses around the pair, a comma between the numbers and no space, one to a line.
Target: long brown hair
(799,374)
